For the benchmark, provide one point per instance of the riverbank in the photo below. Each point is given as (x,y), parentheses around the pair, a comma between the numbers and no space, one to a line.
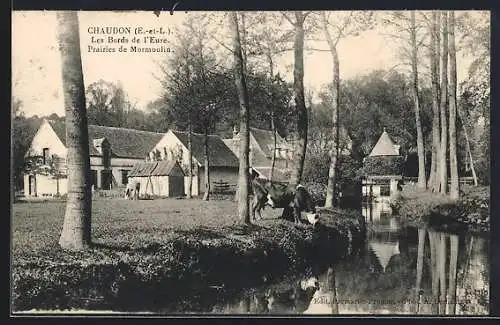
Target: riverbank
(425,209)
(166,254)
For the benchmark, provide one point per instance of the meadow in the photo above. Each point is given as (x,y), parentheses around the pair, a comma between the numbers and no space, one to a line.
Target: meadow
(151,252)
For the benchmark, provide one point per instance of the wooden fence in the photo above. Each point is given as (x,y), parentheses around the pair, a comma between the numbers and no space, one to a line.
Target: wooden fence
(466,180)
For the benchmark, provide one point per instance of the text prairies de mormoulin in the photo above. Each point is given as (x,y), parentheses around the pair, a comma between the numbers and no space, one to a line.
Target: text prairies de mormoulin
(127,39)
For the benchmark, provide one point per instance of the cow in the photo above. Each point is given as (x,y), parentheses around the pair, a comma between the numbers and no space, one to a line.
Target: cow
(293,200)
(132,191)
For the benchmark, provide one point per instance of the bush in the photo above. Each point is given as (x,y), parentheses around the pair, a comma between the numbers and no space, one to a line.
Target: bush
(317,166)
(470,212)
(385,165)
(318,193)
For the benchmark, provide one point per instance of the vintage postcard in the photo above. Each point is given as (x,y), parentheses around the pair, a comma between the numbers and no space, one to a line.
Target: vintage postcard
(250,163)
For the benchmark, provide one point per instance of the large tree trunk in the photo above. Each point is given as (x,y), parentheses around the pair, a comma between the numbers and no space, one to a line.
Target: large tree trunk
(206,195)
(443,170)
(420,138)
(76,231)
(438,51)
(331,197)
(434,64)
(244,134)
(300,105)
(189,193)
(454,189)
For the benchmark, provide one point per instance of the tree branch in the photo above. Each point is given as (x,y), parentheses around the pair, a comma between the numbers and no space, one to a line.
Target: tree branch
(288,18)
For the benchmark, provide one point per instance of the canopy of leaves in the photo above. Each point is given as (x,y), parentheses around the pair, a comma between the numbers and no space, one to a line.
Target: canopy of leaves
(376,101)
(382,165)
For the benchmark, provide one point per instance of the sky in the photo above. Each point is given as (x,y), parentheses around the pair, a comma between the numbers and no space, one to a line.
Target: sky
(36,69)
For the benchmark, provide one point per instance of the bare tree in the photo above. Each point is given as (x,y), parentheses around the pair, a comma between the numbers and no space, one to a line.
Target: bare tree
(266,37)
(298,90)
(76,231)
(433,182)
(443,170)
(454,189)
(334,151)
(345,25)
(239,77)
(420,137)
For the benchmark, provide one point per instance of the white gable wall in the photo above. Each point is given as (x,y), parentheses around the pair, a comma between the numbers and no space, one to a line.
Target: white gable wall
(171,142)
(47,138)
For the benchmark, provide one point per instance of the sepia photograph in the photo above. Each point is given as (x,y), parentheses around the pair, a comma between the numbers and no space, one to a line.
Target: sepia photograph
(250,163)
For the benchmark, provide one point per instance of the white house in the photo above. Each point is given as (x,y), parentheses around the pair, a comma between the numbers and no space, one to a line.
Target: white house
(113,153)
(224,164)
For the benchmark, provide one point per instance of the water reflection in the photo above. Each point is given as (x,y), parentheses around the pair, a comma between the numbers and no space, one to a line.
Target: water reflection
(402,270)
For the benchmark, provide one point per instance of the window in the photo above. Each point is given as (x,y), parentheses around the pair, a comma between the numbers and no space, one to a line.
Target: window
(385,190)
(45,155)
(124,177)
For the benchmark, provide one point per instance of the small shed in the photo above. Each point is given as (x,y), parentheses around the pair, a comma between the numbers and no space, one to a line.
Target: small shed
(168,179)
(141,173)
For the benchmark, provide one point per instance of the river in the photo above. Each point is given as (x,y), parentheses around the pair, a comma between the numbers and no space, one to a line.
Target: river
(401,270)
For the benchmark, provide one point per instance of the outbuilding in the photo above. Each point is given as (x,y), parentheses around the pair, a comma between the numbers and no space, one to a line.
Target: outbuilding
(141,173)
(159,178)
(167,179)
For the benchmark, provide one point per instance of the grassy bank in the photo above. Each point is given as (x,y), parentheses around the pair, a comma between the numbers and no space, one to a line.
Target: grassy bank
(152,254)
(470,213)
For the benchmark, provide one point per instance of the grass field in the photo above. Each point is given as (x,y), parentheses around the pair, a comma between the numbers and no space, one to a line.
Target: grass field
(146,253)
(36,226)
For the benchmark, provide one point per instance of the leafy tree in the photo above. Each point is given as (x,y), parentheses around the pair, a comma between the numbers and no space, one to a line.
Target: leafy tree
(374,101)
(334,29)
(105,102)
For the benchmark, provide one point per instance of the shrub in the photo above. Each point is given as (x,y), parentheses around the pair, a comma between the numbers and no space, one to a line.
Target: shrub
(385,165)
(318,193)
(317,166)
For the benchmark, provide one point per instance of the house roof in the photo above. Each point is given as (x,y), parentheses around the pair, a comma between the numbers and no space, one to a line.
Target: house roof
(168,168)
(385,146)
(219,154)
(124,142)
(143,169)
(265,140)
